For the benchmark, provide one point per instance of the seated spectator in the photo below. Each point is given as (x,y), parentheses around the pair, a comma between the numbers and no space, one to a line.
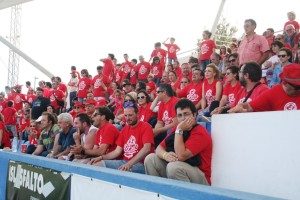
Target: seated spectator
(157,69)
(186,152)
(4,137)
(119,120)
(166,118)
(174,81)
(285,96)
(290,34)
(183,83)
(223,52)
(144,104)
(217,60)
(141,85)
(90,107)
(280,38)
(47,137)
(126,86)
(170,67)
(34,133)
(134,143)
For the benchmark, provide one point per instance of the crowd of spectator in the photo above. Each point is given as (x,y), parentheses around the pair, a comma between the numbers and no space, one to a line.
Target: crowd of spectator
(143,116)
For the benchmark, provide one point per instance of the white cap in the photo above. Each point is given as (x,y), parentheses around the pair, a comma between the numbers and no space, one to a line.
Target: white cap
(39,119)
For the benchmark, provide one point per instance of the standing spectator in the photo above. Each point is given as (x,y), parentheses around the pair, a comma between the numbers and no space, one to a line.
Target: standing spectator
(118,73)
(100,89)
(84,85)
(253,47)
(143,69)
(10,120)
(186,153)
(290,34)
(157,69)
(3,102)
(158,51)
(135,142)
(73,87)
(270,36)
(17,97)
(28,86)
(132,75)
(172,50)
(57,98)
(108,69)
(31,95)
(291,17)
(126,68)
(62,86)
(4,137)
(39,104)
(166,112)
(206,47)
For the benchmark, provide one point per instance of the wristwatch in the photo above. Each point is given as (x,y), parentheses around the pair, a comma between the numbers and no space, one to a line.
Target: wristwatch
(179,131)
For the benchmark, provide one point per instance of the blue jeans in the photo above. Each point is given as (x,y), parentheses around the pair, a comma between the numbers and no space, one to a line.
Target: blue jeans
(157,81)
(81,100)
(13,129)
(115,164)
(72,96)
(171,60)
(204,63)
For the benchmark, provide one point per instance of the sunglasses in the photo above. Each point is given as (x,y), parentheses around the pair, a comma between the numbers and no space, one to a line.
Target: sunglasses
(141,97)
(32,125)
(95,114)
(230,61)
(159,91)
(281,56)
(128,105)
(296,87)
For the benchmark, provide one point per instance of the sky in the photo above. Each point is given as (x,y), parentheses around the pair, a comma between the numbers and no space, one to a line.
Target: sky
(61,33)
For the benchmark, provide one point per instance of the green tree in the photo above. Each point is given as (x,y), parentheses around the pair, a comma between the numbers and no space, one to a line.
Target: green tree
(224,33)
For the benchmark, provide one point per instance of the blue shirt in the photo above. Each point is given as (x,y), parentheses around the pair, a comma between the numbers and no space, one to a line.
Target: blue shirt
(66,140)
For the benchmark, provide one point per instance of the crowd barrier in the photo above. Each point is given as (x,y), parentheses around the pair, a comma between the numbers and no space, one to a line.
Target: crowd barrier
(90,182)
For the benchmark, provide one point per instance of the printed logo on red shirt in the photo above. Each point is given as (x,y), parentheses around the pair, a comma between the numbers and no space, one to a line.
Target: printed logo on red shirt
(132,73)
(204,49)
(142,118)
(192,96)
(118,77)
(100,140)
(290,106)
(166,119)
(17,99)
(231,98)
(143,69)
(1,108)
(81,85)
(131,147)
(97,83)
(126,68)
(209,97)
(172,49)
(155,71)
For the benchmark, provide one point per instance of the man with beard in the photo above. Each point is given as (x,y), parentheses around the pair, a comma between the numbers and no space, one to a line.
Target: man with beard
(39,104)
(134,143)
(249,76)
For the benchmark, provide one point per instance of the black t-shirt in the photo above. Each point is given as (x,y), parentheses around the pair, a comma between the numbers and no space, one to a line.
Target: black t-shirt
(39,105)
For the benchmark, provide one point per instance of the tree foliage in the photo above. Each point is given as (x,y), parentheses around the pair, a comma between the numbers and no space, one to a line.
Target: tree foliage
(224,33)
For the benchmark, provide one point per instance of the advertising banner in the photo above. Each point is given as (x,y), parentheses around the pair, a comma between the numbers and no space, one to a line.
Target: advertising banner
(33,183)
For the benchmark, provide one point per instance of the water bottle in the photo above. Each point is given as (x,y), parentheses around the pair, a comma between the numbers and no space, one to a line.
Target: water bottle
(15,144)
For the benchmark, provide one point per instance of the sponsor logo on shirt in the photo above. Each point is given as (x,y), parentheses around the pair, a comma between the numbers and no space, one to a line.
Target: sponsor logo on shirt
(166,119)
(204,49)
(155,71)
(209,97)
(131,147)
(132,73)
(100,140)
(143,69)
(17,99)
(126,68)
(290,106)
(142,118)
(231,98)
(192,96)
(97,83)
(81,85)
(172,49)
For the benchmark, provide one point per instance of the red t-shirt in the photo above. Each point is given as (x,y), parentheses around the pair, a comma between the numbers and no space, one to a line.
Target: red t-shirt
(9,114)
(166,111)
(157,70)
(133,76)
(192,92)
(199,142)
(98,89)
(5,137)
(294,23)
(132,139)
(275,99)
(3,105)
(47,93)
(126,68)
(206,49)
(108,69)
(30,98)
(143,70)
(178,72)
(107,134)
(62,87)
(24,123)
(231,92)
(176,85)
(59,95)
(210,91)
(145,113)
(161,53)
(83,86)
(242,94)
(172,48)
(119,75)
(17,98)
(152,85)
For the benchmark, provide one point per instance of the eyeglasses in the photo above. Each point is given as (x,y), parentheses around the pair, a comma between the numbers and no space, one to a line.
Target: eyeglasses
(32,125)
(128,105)
(77,107)
(183,82)
(141,97)
(233,60)
(281,56)
(95,114)
(278,38)
(296,87)
(127,100)
(159,91)
(227,73)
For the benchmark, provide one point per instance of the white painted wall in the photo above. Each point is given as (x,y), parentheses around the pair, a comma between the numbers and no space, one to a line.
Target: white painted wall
(257,153)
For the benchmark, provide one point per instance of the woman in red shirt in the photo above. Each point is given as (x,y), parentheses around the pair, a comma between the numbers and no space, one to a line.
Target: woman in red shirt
(206,47)
(84,85)
(144,102)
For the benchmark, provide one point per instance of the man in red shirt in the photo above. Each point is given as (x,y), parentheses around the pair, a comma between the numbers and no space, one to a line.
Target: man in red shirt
(166,119)
(126,67)
(285,96)
(17,97)
(108,69)
(62,86)
(57,98)
(186,152)
(172,50)
(158,51)
(193,91)
(100,90)
(143,69)
(3,103)
(10,114)
(177,69)
(135,142)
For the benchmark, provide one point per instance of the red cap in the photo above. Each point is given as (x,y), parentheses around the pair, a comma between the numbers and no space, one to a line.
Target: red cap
(90,101)
(291,74)
(77,103)
(100,103)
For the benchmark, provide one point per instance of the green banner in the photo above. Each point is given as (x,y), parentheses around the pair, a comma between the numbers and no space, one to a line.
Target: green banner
(27,182)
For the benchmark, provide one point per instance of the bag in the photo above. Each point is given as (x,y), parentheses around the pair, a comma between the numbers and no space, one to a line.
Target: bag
(193,161)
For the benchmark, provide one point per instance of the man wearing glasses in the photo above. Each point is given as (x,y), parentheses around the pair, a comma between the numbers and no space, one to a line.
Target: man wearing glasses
(290,34)
(134,143)
(186,153)
(284,96)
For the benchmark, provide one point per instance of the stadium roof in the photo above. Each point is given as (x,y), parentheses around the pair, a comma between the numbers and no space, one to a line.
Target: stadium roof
(9,3)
